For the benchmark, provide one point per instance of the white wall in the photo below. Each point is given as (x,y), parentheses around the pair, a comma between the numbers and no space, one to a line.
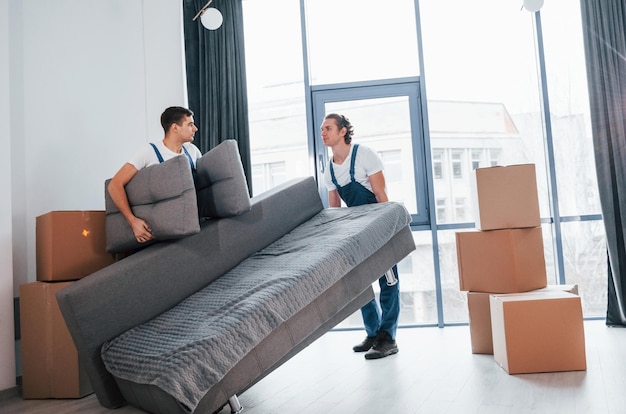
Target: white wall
(88,81)
(7,349)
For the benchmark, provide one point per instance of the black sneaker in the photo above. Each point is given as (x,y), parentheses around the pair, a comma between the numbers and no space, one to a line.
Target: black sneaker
(365,345)
(383,346)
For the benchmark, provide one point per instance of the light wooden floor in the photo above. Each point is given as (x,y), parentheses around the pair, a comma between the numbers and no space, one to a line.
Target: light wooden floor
(434,372)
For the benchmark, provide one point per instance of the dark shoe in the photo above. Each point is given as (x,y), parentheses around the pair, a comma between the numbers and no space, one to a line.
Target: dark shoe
(383,346)
(365,345)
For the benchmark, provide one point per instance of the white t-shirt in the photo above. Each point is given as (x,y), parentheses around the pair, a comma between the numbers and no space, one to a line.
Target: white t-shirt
(367,162)
(145,156)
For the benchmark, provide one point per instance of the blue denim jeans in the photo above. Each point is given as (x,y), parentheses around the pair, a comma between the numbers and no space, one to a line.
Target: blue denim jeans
(384,316)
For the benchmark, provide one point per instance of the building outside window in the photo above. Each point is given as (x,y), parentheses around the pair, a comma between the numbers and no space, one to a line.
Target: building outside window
(441,211)
(477,156)
(456,161)
(438,164)
(460,209)
(494,157)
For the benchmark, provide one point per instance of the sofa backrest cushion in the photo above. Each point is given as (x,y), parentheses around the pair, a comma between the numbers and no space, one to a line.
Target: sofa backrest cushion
(222,188)
(164,196)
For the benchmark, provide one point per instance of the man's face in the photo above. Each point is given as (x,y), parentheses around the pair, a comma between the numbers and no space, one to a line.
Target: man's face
(331,134)
(187,129)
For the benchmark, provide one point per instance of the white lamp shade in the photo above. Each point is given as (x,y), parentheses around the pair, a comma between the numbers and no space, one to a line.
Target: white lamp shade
(211,18)
(533,5)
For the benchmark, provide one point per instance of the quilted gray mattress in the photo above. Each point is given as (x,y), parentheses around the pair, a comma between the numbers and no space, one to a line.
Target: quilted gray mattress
(191,347)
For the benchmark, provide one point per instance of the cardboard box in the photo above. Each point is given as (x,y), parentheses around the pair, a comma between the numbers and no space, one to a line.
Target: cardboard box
(563,288)
(50,366)
(70,245)
(478,305)
(538,332)
(501,261)
(505,197)
(480,322)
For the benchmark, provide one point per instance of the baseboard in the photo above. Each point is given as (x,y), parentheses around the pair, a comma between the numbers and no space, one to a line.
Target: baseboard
(15,392)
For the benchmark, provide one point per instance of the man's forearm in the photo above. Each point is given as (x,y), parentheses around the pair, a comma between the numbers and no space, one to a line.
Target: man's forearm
(120,199)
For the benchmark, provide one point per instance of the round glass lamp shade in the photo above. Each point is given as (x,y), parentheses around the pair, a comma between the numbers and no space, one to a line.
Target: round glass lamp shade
(533,5)
(211,19)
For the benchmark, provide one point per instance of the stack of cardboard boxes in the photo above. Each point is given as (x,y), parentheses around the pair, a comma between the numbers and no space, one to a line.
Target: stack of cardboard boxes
(527,325)
(69,246)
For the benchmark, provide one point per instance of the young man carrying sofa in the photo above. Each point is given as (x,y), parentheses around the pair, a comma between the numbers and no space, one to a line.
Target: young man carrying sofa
(179,128)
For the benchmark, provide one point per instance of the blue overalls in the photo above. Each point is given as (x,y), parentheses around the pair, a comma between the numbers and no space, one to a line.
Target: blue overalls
(193,168)
(375,318)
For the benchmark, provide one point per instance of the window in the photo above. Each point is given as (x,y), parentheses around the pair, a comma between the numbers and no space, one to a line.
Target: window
(494,157)
(370,41)
(457,164)
(460,206)
(484,109)
(276,102)
(392,160)
(441,210)
(394,177)
(266,176)
(258,179)
(477,156)
(569,109)
(438,164)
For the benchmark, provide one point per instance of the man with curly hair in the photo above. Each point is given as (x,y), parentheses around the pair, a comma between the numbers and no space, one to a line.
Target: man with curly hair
(355,175)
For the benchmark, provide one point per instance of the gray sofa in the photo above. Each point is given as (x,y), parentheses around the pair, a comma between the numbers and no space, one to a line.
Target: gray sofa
(184,325)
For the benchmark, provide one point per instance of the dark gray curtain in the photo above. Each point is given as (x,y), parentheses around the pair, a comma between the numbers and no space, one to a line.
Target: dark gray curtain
(604,23)
(216,78)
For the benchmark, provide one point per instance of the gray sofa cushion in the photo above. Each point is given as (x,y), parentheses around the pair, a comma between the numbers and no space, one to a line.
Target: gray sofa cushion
(222,188)
(163,195)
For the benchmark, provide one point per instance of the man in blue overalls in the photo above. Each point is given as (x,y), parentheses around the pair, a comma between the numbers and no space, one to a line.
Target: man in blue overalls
(355,175)
(179,128)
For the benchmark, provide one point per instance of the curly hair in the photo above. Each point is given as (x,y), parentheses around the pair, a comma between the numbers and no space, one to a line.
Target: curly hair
(343,122)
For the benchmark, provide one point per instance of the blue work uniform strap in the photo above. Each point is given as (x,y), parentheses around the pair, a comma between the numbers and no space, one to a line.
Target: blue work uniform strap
(193,168)
(352,162)
(332,171)
(160,157)
(158,154)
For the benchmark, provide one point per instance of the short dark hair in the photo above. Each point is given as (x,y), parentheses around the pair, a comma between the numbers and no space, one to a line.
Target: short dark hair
(343,122)
(174,115)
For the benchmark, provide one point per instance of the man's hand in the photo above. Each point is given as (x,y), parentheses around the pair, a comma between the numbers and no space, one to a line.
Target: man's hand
(142,230)
(117,191)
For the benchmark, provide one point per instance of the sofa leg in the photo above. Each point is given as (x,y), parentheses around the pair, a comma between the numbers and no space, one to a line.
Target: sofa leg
(235,406)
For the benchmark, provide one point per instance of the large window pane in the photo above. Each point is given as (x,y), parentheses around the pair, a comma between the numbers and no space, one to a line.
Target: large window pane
(548,252)
(569,108)
(419,302)
(357,40)
(483,95)
(277,110)
(585,257)
(454,300)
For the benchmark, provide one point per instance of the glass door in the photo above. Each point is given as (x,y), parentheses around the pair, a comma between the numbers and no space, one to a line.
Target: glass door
(386,118)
